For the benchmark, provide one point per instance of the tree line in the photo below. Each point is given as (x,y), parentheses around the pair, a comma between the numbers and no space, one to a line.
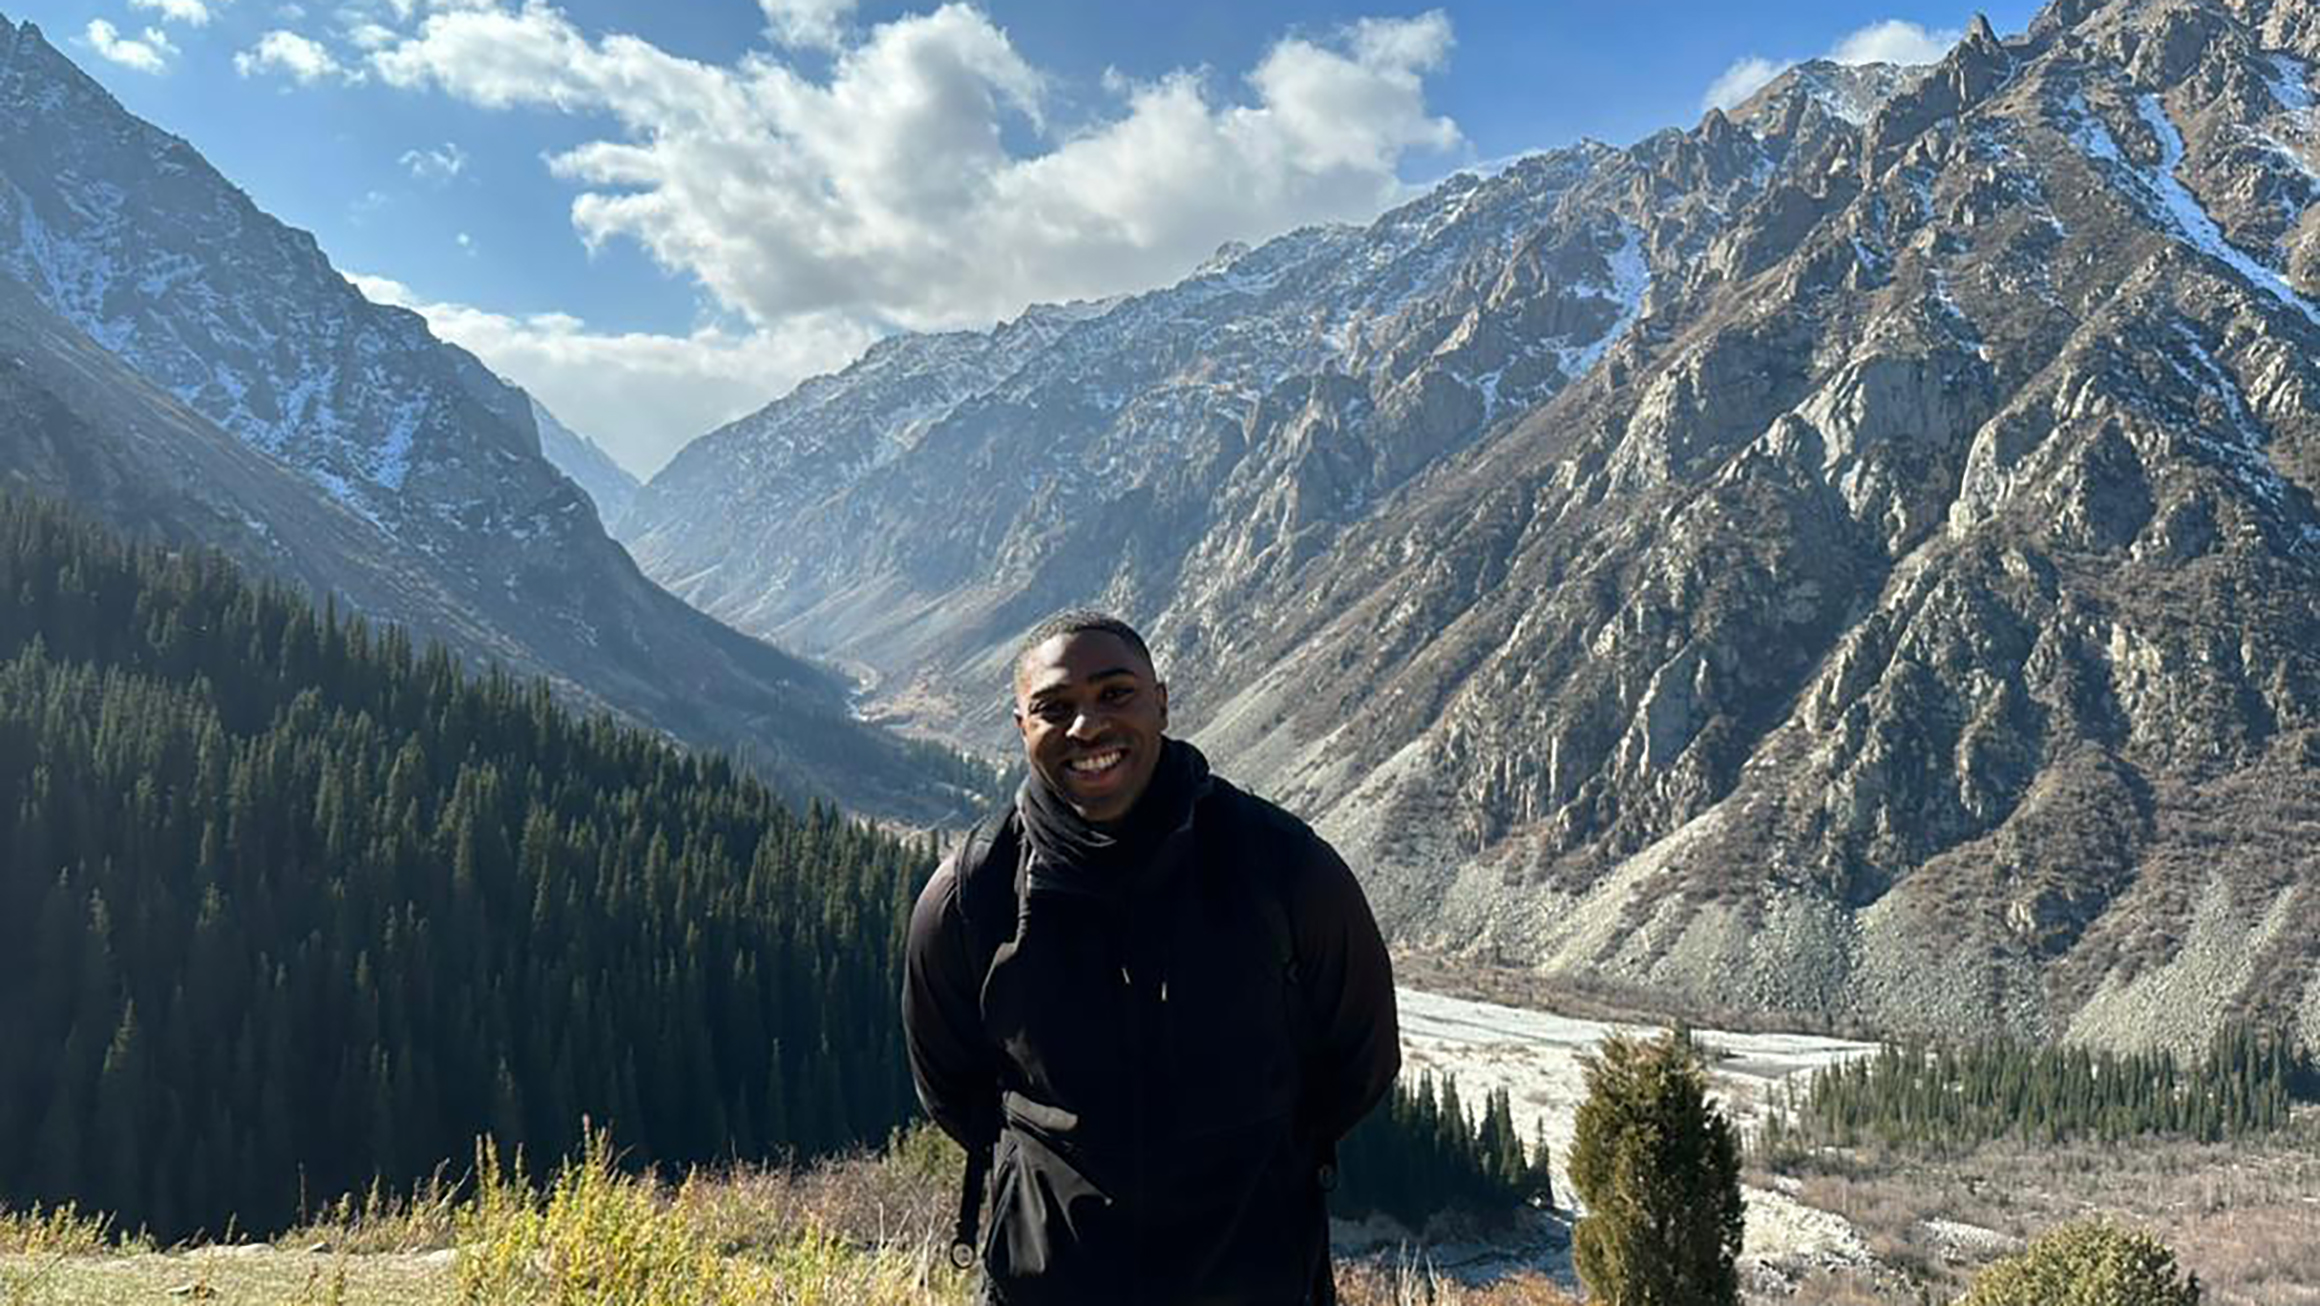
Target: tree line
(1423,1151)
(1927,1094)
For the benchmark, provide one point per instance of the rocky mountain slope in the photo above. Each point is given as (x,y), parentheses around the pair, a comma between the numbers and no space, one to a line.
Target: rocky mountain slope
(182,362)
(609,485)
(1855,558)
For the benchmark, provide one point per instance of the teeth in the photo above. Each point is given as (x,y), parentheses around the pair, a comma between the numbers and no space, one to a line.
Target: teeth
(1100,762)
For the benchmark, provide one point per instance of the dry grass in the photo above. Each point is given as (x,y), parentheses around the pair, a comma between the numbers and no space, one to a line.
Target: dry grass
(62,1231)
(870,1231)
(1408,1279)
(381,1221)
(863,1231)
(2245,1217)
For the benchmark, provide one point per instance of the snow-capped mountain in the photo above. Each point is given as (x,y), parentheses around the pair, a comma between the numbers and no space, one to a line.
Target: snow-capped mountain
(1855,557)
(429,463)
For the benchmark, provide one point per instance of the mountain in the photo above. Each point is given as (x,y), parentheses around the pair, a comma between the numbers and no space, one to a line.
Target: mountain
(609,485)
(188,365)
(1855,558)
(1853,92)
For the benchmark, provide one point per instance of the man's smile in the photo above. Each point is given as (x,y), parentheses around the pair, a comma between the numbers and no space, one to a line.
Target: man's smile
(1095,764)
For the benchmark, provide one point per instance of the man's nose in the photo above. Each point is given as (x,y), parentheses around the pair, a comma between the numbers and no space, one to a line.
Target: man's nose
(1086,723)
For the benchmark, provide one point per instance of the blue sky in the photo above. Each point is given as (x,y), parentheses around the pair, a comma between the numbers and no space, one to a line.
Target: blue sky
(658,217)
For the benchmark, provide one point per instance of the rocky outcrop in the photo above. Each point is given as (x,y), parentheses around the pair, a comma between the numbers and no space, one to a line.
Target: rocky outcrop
(607,484)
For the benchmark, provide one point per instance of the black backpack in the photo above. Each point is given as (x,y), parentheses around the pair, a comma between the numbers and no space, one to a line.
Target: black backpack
(990,904)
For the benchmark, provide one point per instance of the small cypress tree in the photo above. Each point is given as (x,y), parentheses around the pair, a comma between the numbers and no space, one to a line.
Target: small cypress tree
(1657,1169)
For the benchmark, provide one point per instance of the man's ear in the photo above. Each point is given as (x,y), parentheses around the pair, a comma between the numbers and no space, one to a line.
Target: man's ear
(1162,687)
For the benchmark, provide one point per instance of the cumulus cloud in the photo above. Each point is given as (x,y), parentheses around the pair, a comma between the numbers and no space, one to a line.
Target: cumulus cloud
(1892,40)
(148,53)
(193,13)
(887,193)
(807,24)
(641,396)
(1744,78)
(435,165)
(305,61)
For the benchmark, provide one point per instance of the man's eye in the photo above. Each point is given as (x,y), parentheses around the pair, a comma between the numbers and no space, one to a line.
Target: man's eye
(1053,712)
(1118,694)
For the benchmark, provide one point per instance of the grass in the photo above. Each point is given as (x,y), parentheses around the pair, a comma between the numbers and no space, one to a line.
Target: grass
(871,1230)
(864,1231)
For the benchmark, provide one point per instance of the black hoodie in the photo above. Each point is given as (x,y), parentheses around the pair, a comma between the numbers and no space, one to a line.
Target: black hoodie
(1165,1055)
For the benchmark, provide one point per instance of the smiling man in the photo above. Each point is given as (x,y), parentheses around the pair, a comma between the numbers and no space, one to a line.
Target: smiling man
(1148,1005)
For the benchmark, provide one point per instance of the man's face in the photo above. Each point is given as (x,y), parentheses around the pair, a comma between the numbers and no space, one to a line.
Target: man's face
(1091,712)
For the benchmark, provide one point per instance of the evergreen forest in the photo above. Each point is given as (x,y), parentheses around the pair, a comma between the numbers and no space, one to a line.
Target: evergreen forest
(290,908)
(1943,1095)
(289,905)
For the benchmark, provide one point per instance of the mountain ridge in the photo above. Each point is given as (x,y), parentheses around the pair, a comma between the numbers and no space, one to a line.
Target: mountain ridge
(125,233)
(1842,617)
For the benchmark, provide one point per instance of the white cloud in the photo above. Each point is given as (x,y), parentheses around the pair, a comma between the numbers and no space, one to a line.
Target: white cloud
(194,13)
(1889,41)
(888,193)
(1744,78)
(640,396)
(304,60)
(435,165)
(807,24)
(149,53)
(1894,41)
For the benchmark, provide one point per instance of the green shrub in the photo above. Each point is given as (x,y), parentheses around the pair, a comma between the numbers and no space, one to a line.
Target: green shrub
(2089,1263)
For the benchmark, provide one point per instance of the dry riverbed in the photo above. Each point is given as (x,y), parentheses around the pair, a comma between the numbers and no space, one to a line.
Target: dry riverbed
(1536,1056)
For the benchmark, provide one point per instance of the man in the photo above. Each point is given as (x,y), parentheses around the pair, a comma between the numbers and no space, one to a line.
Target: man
(1153,1001)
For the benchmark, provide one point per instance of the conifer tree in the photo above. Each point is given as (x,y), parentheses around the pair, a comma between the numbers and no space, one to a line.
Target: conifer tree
(1657,1170)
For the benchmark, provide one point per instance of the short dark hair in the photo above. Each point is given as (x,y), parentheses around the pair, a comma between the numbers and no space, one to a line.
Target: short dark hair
(1081,621)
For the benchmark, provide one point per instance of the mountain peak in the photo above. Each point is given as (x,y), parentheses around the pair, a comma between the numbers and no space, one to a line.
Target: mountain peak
(1227,254)
(1852,92)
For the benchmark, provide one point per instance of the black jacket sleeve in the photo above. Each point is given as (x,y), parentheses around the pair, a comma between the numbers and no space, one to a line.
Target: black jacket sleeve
(1349,993)
(942,1024)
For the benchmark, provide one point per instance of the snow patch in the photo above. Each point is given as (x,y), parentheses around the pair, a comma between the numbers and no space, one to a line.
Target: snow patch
(2291,83)
(2182,208)
(2165,198)
(1630,282)
(2244,452)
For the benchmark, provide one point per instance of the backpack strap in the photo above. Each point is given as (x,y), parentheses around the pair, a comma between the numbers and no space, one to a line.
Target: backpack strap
(987,901)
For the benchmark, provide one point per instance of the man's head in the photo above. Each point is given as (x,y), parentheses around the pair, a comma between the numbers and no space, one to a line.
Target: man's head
(1091,709)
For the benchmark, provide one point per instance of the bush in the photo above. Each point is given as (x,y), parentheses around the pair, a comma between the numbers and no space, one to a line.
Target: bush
(2090,1263)
(1658,1170)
